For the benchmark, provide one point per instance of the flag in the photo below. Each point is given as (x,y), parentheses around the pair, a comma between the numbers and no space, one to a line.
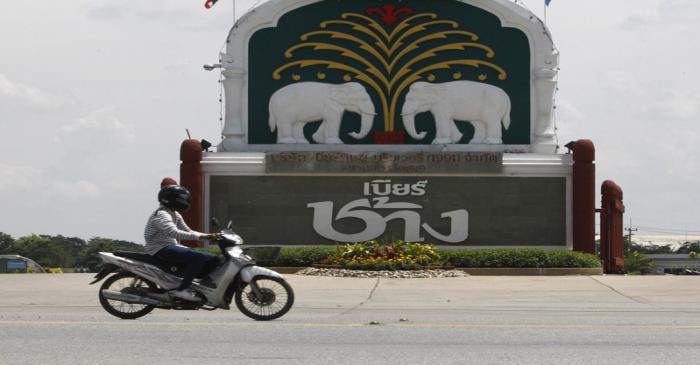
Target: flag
(211,3)
(546,2)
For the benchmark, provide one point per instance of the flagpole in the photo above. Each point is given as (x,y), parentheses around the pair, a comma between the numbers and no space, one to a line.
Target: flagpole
(234,12)
(545,13)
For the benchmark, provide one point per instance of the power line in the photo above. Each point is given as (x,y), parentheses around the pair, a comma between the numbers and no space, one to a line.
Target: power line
(669,230)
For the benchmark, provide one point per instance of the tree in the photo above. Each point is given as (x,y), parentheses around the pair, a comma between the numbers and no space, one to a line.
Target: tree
(89,256)
(637,263)
(50,251)
(42,250)
(646,249)
(71,246)
(6,243)
(689,247)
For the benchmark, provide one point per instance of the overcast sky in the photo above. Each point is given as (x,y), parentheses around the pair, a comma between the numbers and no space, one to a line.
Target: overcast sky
(95,96)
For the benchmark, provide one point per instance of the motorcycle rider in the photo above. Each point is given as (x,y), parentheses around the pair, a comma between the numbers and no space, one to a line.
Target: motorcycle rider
(166,227)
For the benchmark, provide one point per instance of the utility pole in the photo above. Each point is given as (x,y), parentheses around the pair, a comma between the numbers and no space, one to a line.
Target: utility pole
(629,233)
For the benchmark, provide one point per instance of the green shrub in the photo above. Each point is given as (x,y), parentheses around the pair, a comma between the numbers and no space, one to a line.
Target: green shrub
(638,263)
(376,255)
(573,259)
(301,256)
(288,256)
(211,250)
(518,258)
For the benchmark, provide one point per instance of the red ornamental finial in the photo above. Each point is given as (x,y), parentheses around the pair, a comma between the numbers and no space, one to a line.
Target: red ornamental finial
(389,13)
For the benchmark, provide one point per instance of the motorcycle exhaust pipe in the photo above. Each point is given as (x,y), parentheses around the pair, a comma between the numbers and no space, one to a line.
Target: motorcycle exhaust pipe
(129,298)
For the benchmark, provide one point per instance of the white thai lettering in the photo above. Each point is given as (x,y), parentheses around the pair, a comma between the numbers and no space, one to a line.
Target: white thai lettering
(418,189)
(400,189)
(459,227)
(386,188)
(323,221)
(383,203)
(377,186)
(411,221)
(375,224)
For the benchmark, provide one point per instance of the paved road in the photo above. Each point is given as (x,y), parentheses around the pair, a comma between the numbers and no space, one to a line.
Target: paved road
(56,319)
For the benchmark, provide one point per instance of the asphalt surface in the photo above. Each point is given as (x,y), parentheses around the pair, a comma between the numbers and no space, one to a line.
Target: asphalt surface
(57,319)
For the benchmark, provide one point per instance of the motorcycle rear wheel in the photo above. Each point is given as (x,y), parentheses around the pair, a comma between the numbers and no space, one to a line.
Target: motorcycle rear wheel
(128,283)
(277,299)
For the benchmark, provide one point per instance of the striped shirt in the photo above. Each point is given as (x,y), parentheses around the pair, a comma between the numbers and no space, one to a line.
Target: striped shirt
(166,227)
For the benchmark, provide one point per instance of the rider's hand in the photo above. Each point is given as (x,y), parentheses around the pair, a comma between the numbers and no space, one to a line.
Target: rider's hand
(212,236)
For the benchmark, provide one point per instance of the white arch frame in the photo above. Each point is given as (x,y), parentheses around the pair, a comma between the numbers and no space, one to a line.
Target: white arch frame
(544,63)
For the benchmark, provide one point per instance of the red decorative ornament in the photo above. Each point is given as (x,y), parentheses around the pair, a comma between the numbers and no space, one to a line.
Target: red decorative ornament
(390,137)
(389,13)
(210,3)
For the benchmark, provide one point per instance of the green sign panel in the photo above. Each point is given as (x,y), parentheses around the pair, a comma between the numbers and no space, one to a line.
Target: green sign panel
(459,210)
(368,71)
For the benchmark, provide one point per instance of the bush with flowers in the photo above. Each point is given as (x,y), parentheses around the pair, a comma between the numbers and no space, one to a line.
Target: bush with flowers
(376,255)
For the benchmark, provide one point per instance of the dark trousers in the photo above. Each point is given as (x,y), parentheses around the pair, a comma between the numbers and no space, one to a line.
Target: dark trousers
(196,263)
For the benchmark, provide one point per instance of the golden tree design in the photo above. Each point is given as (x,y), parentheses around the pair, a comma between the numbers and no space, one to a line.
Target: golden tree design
(392,56)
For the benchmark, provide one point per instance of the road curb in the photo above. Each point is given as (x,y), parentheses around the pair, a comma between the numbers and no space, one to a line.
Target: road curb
(531,271)
(494,271)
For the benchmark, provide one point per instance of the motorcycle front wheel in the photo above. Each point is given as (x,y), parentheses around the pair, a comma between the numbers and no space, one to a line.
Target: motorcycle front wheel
(276,298)
(126,283)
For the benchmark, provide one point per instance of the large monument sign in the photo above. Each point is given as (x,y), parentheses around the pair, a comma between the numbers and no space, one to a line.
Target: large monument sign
(446,72)
(428,121)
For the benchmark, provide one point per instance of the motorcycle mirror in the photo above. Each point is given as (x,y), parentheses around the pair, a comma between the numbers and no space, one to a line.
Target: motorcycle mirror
(229,225)
(215,224)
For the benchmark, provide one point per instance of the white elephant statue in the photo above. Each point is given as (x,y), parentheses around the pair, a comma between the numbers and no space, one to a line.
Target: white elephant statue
(292,106)
(484,105)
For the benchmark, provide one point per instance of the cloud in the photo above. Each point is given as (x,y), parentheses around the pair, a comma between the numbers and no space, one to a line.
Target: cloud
(680,11)
(117,11)
(96,147)
(183,16)
(15,94)
(104,150)
(681,105)
(76,190)
(101,129)
(669,14)
(643,97)
(18,179)
(569,118)
(109,12)
(188,18)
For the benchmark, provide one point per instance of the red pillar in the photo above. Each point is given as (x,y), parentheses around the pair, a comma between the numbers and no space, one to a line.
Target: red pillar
(583,196)
(612,250)
(191,177)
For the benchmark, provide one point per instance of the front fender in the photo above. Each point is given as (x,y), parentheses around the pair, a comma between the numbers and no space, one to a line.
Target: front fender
(249,272)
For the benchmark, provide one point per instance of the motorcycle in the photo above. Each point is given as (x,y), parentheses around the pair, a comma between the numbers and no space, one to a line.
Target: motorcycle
(142,283)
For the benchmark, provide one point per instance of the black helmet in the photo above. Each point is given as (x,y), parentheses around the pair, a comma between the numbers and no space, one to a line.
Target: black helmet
(175,197)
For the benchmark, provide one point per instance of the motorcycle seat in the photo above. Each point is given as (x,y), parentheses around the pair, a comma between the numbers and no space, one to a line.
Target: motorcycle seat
(139,256)
(148,259)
